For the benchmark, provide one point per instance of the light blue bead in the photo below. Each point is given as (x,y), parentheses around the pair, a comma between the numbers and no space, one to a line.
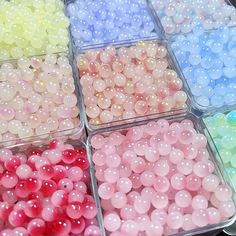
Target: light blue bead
(215,73)
(230,98)
(196,89)
(217,100)
(207,62)
(220,89)
(198,29)
(203,101)
(208,91)
(230,72)
(194,59)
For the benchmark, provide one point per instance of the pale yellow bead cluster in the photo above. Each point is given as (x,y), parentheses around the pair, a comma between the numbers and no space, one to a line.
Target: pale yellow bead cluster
(32,27)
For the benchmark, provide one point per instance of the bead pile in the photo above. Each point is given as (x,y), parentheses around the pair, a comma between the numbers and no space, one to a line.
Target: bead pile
(37,96)
(208,62)
(222,128)
(104,21)
(46,192)
(128,82)
(29,27)
(158,179)
(181,16)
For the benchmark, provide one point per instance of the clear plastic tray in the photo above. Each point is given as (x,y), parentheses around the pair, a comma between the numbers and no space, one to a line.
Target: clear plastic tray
(219,171)
(231,230)
(73,133)
(127,44)
(156,33)
(158,15)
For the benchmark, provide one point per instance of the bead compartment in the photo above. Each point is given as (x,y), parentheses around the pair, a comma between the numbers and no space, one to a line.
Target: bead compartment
(199,128)
(36,149)
(31,69)
(80,43)
(169,12)
(202,72)
(125,46)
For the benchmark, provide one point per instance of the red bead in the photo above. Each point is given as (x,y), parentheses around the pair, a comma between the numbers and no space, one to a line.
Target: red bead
(36,227)
(69,156)
(37,196)
(48,187)
(86,177)
(32,184)
(12,163)
(53,144)
(21,189)
(81,151)
(82,162)
(59,228)
(33,208)
(77,226)
(59,172)
(35,151)
(46,172)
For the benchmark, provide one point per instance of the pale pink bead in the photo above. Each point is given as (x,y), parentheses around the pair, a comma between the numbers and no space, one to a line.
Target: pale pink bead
(178,181)
(128,212)
(183,198)
(108,148)
(223,193)
(163,148)
(124,185)
(106,190)
(185,166)
(210,182)
(214,215)
(161,168)
(140,147)
(113,160)
(151,154)
(159,216)
(160,200)
(147,178)
(125,171)
(132,196)
(193,182)
(188,223)
(111,175)
(163,125)
(97,141)
(176,155)
(143,222)
(199,141)
(23,171)
(129,227)
(99,158)
(128,156)
(190,152)
(116,138)
(199,202)
(54,156)
(92,230)
(148,193)
(151,128)
(201,169)
(214,201)
(174,207)
(119,200)
(200,217)
(135,133)
(155,228)
(112,222)
(106,205)
(138,165)
(227,209)
(175,220)
(135,179)
(161,184)
(142,205)
(106,116)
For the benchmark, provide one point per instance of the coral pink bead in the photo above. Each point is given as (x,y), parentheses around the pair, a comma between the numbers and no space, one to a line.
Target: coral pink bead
(12,163)
(33,208)
(5,210)
(112,222)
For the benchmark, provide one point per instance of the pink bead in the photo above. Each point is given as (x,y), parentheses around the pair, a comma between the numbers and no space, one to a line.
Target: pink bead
(227,209)
(175,220)
(142,205)
(113,160)
(50,213)
(17,218)
(75,174)
(147,178)
(223,193)
(210,182)
(183,198)
(132,196)
(23,171)
(161,184)
(106,190)
(59,198)
(111,175)
(128,212)
(65,184)
(185,167)
(99,158)
(160,200)
(9,180)
(214,215)
(200,217)
(92,230)
(199,202)
(176,156)
(193,182)
(75,196)
(178,181)
(36,227)
(33,208)
(129,227)
(119,200)
(124,185)
(161,168)
(89,210)
(148,193)
(163,148)
(143,222)
(159,216)
(201,169)
(97,141)
(188,223)
(151,154)
(9,196)
(112,222)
